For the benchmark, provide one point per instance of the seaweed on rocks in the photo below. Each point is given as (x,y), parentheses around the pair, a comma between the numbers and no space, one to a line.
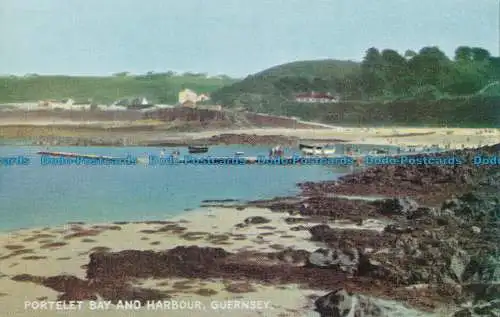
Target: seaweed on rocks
(427,184)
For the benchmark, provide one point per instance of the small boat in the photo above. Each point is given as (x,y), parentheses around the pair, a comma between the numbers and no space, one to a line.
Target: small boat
(239,153)
(378,152)
(198,149)
(306,146)
(316,149)
(414,148)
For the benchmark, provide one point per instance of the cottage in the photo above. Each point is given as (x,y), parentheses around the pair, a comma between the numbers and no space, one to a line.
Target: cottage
(187,95)
(189,98)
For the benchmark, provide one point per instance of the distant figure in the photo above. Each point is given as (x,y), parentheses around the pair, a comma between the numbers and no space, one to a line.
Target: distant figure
(162,153)
(276,151)
(280,151)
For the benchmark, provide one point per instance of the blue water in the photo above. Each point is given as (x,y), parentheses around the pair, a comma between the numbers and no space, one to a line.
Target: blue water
(36,195)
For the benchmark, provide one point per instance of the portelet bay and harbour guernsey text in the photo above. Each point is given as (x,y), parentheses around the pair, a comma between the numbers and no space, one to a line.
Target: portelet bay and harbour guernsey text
(153,160)
(149,305)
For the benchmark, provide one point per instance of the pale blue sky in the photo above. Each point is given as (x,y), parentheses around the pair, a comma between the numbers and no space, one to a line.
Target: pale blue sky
(235,37)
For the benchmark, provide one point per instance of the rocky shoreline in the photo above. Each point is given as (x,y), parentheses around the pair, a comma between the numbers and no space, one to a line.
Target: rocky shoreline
(437,246)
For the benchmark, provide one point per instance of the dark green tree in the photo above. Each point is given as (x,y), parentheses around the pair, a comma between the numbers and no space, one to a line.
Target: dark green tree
(430,67)
(372,72)
(463,54)
(396,72)
(480,54)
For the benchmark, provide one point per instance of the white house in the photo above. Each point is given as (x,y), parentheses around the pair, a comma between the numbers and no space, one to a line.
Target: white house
(187,95)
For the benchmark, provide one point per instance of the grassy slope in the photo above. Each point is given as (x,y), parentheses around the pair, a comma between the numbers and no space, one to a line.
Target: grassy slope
(317,68)
(159,88)
(260,90)
(478,110)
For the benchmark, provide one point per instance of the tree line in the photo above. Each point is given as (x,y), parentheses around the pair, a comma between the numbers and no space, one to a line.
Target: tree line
(426,73)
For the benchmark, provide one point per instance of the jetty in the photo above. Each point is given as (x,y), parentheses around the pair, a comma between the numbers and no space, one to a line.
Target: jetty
(83,156)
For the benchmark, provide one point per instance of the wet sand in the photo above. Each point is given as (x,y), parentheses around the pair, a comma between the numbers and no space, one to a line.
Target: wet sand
(65,250)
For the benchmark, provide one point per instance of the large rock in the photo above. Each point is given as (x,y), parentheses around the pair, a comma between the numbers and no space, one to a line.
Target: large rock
(322,233)
(338,303)
(458,265)
(417,261)
(256,220)
(341,303)
(476,208)
(482,268)
(486,309)
(344,260)
(397,206)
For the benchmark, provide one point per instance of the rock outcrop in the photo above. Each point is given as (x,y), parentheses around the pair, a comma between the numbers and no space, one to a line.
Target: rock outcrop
(341,303)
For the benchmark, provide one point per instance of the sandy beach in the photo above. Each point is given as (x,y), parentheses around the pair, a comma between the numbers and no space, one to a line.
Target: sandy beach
(64,251)
(151,133)
(377,136)
(52,251)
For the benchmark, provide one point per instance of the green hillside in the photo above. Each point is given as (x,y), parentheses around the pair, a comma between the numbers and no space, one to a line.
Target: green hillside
(317,68)
(383,77)
(162,88)
(265,90)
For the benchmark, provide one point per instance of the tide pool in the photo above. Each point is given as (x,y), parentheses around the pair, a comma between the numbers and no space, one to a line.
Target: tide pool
(34,195)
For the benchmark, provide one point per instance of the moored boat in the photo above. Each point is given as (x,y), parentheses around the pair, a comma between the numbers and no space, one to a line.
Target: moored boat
(378,151)
(198,149)
(317,149)
(307,146)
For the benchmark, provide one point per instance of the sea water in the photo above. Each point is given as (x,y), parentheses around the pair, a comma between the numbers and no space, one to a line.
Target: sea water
(35,195)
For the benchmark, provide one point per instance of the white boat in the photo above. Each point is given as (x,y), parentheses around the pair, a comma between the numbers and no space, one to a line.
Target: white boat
(379,152)
(318,151)
(413,148)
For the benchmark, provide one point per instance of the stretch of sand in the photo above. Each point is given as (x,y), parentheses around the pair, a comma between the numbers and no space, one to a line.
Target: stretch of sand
(378,136)
(455,137)
(72,254)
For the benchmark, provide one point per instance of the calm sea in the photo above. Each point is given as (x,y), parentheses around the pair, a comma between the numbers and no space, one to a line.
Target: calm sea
(36,195)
